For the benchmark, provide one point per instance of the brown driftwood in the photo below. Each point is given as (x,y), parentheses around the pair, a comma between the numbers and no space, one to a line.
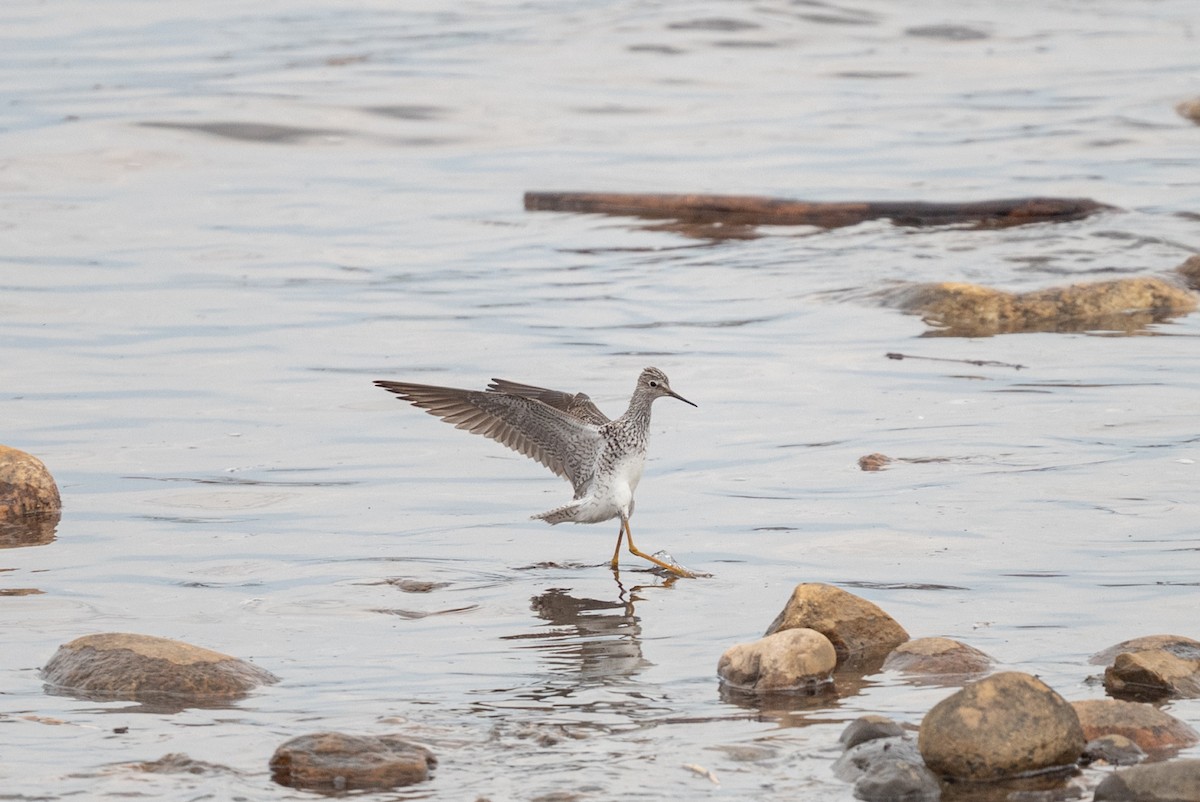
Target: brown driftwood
(753,210)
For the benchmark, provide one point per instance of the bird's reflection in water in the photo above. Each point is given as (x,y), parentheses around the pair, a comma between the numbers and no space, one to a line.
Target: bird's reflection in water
(588,642)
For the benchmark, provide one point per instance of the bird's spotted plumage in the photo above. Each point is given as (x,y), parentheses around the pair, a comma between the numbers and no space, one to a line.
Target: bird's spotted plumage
(601,458)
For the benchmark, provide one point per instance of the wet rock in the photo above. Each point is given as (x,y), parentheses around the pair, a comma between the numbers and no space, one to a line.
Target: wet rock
(334,761)
(1174,781)
(1150,728)
(26,487)
(874,462)
(970,310)
(795,659)
(898,781)
(1000,727)
(868,728)
(1152,675)
(29,501)
(859,631)
(126,666)
(939,659)
(1115,750)
(887,769)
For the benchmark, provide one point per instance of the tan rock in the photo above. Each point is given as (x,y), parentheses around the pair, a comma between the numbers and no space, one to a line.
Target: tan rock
(26,487)
(858,629)
(127,666)
(970,310)
(1153,675)
(29,502)
(938,657)
(1150,728)
(794,659)
(1000,727)
(334,761)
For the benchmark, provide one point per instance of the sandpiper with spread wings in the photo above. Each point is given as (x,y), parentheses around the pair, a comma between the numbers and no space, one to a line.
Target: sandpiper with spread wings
(601,458)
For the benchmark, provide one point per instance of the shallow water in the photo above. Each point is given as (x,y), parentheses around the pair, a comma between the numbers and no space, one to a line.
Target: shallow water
(220,224)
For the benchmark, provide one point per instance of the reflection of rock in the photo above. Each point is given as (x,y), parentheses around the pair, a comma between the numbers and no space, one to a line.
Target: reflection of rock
(139,667)
(859,631)
(179,763)
(1151,668)
(1001,727)
(969,310)
(938,660)
(29,500)
(334,761)
(791,660)
(1152,729)
(1176,780)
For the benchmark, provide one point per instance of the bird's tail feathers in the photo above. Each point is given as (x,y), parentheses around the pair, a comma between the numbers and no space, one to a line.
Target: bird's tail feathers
(567,512)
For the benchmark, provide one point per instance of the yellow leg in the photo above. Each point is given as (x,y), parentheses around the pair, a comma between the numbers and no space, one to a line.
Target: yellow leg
(617,553)
(674,569)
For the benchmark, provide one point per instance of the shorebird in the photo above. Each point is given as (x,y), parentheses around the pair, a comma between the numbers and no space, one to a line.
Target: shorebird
(601,458)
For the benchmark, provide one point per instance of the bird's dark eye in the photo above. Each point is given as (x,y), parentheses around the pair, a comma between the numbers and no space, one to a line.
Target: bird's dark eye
(653,383)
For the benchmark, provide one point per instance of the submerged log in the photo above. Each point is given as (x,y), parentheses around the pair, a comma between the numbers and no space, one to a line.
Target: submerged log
(754,210)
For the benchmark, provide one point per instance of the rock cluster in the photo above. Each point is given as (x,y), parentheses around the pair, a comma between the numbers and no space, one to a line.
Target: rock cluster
(1006,733)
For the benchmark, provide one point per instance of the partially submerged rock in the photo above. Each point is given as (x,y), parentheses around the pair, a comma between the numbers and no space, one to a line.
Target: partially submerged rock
(860,631)
(884,768)
(1174,781)
(334,761)
(971,310)
(119,665)
(1152,668)
(1151,729)
(938,660)
(1115,750)
(868,728)
(792,660)
(1001,727)
(30,504)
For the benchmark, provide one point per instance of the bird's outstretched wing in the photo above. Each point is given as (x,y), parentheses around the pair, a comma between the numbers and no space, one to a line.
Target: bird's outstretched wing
(577,405)
(562,442)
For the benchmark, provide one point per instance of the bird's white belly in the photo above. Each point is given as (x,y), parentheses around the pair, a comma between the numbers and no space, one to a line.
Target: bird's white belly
(612,493)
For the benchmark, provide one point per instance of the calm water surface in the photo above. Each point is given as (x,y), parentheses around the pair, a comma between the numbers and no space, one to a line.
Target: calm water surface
(221,222)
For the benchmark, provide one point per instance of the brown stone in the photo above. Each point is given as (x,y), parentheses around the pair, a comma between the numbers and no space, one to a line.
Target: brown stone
(127,666)
(26,487)
(858,629)
(1000,727)
(29,502)
(334,761)
(938,657)
(1150,676)
(794,659)
(970,310)
(874,462)
(1173,781)
(1147,726)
